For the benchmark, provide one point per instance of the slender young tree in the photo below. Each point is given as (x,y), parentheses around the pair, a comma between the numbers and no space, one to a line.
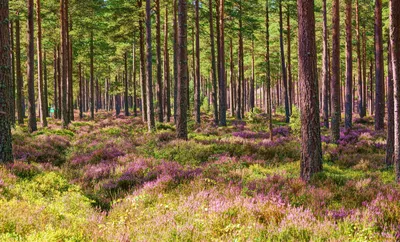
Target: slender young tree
(42,107)
(91,76)
(394,12)
(167,84)
(126,93)
(311,155)
(5,81)
(32,126)
(359,65)
(283,65)
(268,71)
(181,124)
(325,69)
(20,83)
(222,81)
(390,111)
(379,70)
(142,66)
(149,71)
(213,65)
(335,81)
(159,63)
(349,67)
(197,76)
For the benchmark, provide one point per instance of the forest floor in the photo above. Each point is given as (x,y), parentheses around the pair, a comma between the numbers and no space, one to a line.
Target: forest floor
(110,180)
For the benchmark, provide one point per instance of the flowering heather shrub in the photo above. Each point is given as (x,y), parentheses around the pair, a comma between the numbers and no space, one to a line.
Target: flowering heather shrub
(105,154)
(276,142)
(99,171)
(23,170)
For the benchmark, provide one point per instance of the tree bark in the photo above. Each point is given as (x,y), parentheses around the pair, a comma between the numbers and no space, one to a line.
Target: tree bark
(325,69)
(394,13)
(283,65)
(126,93)
(42,107)
(91,77)
(197,76)
(181,124)
(149,70)
(213,66)
(20,83)
(379,70)
(359,65)
(159,63)
(5,81)
(390,111)
(222,81)
(335,81)
(167,78)
(268,71)
(32,126)
(311,158)
(349,68)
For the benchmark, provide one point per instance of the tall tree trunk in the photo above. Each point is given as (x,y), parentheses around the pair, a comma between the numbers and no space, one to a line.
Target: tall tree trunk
(335,80)
(64,66)
(149,70)
(5,81)
(232,75)
(252,99)
(311,158)
(70,70)
(167,78)
(59,77)
(45,85)
(213,65)
(394,6)
(176,60)
(142,66)
(91,77)
(283,65)
(289,61)
(222,81)
(325,69)
(390,111)
(181,124)
(159,63)
(126,94)
(349,68)
(55,83)
(371,90)
(197,80)
(268,71)
(117,100)
(20,82)
(32,126)
(12,82)
(364,73)
(42,107)
(379,70)
(239,107)
(80,92)
(134,80)
(359,65)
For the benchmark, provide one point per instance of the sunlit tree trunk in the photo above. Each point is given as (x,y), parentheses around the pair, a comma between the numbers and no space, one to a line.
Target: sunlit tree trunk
(149,71)
(311,155)
(349,68)
(335,80)
(379,70)
(32,126)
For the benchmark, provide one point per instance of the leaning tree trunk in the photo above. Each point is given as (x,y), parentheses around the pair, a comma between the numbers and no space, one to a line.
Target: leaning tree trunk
(5,84)
(181,124)
(335,80)
(394,6)
(311,158)
(379,70)
(149,71)
(349,68)
(32,126)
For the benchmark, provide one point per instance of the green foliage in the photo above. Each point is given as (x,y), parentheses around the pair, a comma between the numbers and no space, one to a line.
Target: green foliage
(295,121)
